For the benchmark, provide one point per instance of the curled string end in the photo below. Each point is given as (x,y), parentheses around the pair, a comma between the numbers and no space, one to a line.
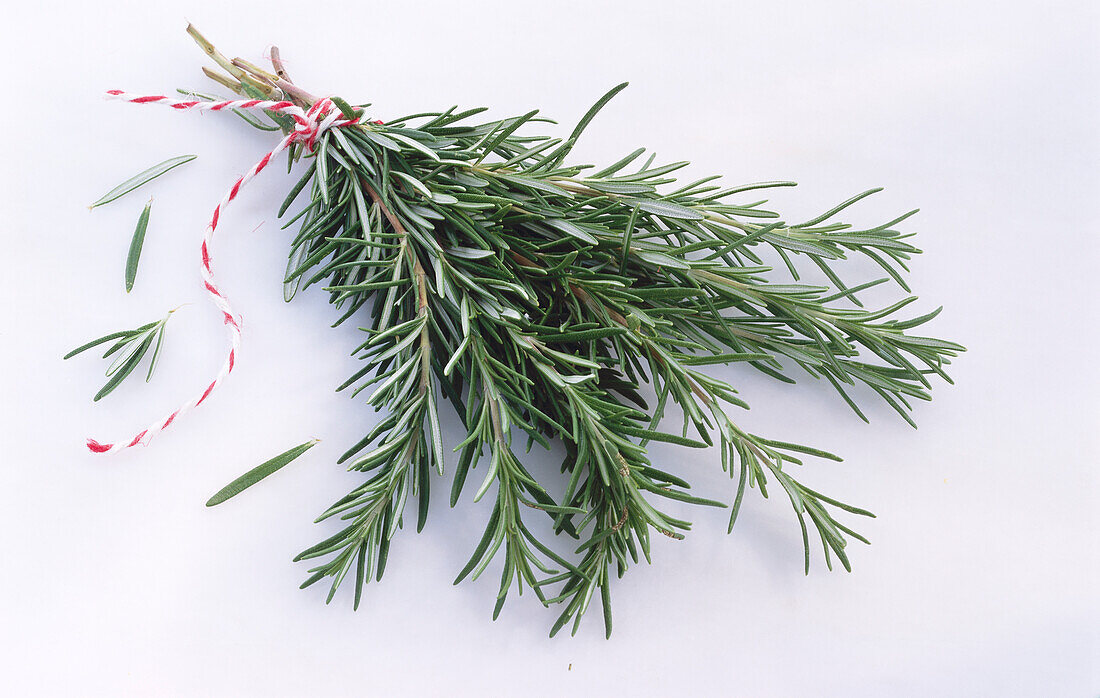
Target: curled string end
(96,447)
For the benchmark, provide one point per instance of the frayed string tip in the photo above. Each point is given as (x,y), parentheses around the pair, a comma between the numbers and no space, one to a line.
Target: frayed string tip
(96,447)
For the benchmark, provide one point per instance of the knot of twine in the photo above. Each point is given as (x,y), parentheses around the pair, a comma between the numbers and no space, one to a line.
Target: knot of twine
(309,125)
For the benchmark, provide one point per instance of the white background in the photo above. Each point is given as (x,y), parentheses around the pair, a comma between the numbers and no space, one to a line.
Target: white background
(983,576)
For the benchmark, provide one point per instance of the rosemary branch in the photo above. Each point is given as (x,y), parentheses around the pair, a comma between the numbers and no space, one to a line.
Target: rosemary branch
(538,298)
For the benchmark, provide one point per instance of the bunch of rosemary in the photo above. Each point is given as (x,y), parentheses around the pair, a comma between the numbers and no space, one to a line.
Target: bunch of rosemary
(539,297)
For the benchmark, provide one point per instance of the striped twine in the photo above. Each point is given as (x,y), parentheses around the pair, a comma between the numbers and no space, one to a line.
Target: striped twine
(309,125)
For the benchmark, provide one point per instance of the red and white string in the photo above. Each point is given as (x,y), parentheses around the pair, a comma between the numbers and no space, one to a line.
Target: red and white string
(309,125)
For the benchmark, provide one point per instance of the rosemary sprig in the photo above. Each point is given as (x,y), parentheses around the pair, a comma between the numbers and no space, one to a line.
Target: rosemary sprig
(130,347)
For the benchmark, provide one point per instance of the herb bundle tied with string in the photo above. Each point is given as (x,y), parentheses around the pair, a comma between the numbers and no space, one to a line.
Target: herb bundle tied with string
(552,302)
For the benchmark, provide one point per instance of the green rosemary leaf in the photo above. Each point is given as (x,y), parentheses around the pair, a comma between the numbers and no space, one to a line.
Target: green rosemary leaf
(591,114)
(650,435)
(536,184)
(612,169)
(620,188)
(667,209)
(686,498)
(382,140)
(142,178)
(414,182)
(297,188)
(605,599)
(134,348)
(661,259)
(156,354)
(570,228)
(583,335)
(469,253)
(838,208)
(292,279)
(482,546)
(345,109)
(727,358)
(135,246)
(503,134)
(96,342)
(259,473)
(414,144)
(123,370)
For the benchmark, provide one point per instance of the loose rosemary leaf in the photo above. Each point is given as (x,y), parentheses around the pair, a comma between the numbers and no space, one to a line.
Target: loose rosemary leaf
(142,178)
(138,240)
(259,473)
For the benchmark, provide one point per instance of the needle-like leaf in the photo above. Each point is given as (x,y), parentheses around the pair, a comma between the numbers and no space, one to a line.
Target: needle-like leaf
(138,240)
(259,473)
(142,178)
